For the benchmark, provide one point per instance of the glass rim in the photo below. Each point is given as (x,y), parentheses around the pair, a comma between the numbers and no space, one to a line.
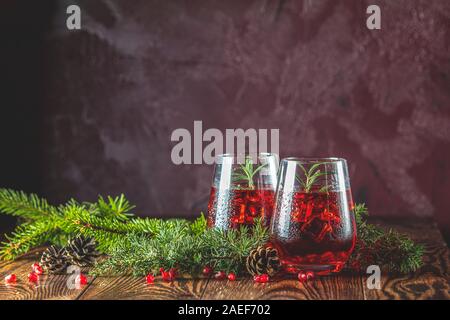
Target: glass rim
(240,158)
(233,155)
(307,160)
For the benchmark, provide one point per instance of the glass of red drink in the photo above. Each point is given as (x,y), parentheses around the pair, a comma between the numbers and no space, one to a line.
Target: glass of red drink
(313,225)
(243,189)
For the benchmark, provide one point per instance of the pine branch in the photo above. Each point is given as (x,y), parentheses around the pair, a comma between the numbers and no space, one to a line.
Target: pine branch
(138,245)
(391,250)
(227,251)
(107,220)
(19,204)
(80,221)
(171,243)
(118,208)
(26,237)
(185,246)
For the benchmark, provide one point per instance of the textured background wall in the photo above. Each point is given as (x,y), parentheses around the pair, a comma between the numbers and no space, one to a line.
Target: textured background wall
(114,91)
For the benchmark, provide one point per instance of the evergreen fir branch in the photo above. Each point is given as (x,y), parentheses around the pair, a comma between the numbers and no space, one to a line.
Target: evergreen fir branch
(391,250)
(139,245)
(118,207)
(26,237)
(106,230)
(171,244)
(78,219)
(227,251)
(59,238)
(19,204)
(146,225)
(178,245)
(199,225)
(107,220)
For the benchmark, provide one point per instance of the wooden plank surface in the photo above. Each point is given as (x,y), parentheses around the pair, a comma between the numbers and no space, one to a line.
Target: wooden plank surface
(340,287)
(431,282)
(48,288)
(127,287)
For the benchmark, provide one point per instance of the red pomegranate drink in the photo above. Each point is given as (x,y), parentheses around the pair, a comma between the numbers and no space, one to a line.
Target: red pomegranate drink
(242,191)
(233,207)
(313,225)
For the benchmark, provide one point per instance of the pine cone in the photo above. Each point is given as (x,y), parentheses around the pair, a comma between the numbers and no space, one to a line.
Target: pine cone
(53,260)
(82,252)
(263,260)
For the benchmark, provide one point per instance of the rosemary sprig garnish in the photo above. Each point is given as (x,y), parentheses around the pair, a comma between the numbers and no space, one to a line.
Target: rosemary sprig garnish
(247,172)
(311,177)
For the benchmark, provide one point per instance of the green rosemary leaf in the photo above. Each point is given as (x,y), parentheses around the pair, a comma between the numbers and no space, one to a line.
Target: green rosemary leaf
(247,172)
(300,181)
(258,169)
(311,176)
(303,168)
(313,168)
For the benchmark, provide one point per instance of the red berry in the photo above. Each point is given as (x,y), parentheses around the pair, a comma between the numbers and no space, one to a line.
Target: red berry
(302,277)
(81,279)
(256,278)
(310,275)
(36,267)
(150,278)
(173,273)
(33,277)
(207,270)
(11,278)
(220,275)
(231,276)
(167,276)
(264,278)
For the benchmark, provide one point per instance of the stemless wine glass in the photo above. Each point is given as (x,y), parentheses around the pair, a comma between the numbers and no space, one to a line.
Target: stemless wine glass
(243,189)
(313,225)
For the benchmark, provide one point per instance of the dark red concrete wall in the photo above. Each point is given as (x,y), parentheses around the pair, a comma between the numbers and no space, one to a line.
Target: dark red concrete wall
(137,70)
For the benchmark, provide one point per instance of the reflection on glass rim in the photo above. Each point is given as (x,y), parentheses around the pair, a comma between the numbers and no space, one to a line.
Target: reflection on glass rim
(313,160)
(232,155)
(240,158)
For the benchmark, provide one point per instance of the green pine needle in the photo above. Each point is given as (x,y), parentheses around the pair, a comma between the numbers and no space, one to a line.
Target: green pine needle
(188,247)
(19,204)
(141,245)
(391,250)
(26,237)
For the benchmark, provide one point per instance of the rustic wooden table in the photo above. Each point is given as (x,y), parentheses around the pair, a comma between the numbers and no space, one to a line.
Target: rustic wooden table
(431,282)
